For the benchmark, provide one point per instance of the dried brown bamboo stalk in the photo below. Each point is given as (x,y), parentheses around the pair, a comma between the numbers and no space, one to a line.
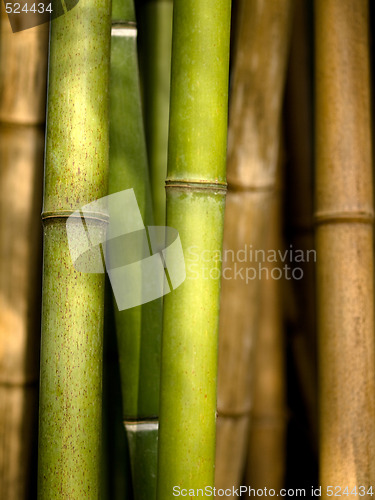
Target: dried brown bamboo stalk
(266,453)
(299,200)
(23,61)
(254,131)
(344,241)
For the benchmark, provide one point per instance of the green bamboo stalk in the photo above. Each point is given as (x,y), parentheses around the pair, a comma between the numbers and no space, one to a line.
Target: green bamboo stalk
(196,187)
(157,47)
(344,241)
(73,302)
(23,74)
(138,328)
(116,474)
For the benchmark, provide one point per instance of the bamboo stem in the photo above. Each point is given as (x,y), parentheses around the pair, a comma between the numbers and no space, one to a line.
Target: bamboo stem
(253,150)
(73,301)
(157,20)
(196,188)
(267,437)
(344,242)
(116,473)
(139,328)
(23,72)
(22,105)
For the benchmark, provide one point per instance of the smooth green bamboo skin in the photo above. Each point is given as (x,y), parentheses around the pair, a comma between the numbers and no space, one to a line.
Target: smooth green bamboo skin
(138,328)
(196,187)
(199,89)
(157,74)
(189,348)
(115,468)
(73,302)
(123,11)
(143,440)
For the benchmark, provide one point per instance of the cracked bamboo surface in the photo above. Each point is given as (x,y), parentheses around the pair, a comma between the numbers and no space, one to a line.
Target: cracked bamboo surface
(253,147)
(344,242)
(23,71)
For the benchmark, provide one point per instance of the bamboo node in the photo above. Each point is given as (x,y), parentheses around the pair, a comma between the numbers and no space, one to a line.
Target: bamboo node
(141,425)
(121,23)
(343,217)
(191,185)
(65,214)
(266,188)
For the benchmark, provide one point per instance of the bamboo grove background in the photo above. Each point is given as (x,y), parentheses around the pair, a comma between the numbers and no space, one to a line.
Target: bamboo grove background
(243,124)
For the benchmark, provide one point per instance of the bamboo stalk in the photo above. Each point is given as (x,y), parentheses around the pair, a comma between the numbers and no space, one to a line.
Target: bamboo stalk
(73,301)
(267,437)
(22,96)
(253,149)
(157,27)
(116,473)
(23,72)
(196,188)
(344,242)
(138,328)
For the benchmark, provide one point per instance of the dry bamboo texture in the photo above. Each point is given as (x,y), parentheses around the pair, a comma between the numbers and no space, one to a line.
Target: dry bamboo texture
(299,207)
(253,148)
(344,242)
(266,453)
(23,69)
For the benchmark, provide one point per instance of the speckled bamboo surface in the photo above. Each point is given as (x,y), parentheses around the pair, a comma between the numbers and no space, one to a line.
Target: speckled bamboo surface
(344,242)
(76,173)
(259,66)
(23,71)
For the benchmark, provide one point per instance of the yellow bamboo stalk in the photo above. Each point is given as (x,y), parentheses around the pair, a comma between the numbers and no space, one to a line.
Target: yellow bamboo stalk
(23,69)
(266,452)
(23,62)
(253,146)
(344,241)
